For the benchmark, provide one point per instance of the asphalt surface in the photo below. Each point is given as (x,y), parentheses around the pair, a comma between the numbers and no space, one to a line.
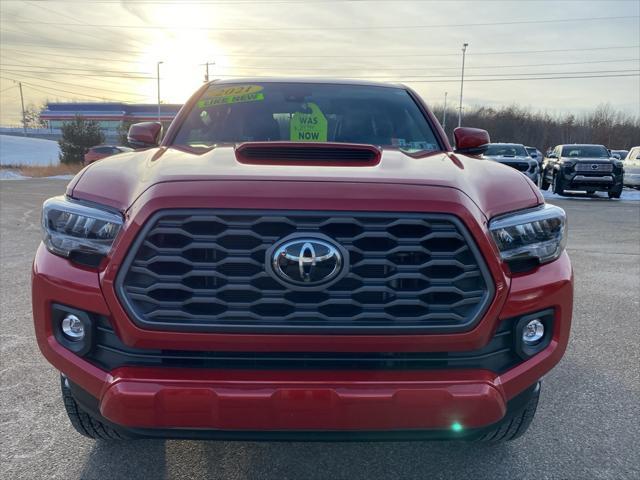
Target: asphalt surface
(586,427)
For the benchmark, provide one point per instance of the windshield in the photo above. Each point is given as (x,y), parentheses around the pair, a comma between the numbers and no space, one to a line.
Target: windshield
(506,151)
(532,152)
(305,112)
(585,151)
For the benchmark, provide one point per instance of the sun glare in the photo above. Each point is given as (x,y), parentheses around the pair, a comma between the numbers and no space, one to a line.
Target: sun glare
(183,53)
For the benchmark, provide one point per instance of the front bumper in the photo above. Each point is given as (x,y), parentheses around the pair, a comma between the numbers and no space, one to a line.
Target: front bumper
(514,406)
(582,181)
(285,400)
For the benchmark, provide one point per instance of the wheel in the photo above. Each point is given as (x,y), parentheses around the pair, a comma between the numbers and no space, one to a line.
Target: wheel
(514,426)
(615,192)
(83,422)
(543,183)
(558,186)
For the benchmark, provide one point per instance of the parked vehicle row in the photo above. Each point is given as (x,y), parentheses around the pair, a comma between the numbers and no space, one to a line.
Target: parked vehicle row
(572,167)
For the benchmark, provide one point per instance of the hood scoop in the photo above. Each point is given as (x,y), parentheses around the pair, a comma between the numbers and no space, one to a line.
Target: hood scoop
(315,154)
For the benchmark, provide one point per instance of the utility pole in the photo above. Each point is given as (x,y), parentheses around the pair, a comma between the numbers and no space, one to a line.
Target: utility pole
(464,52)
(24,118)
(158,72)
(444,112)
(206,75)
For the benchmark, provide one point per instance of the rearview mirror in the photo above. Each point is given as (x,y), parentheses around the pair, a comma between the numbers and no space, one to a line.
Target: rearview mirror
(471,141)
(144,134)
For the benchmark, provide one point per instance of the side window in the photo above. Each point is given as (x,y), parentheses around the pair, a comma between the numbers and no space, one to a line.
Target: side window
(635,153)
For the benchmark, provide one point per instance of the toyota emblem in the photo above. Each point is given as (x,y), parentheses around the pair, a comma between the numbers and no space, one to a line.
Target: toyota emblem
(307,261)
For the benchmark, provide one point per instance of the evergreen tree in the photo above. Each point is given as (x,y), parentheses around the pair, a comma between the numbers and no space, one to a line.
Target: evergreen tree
(77,137)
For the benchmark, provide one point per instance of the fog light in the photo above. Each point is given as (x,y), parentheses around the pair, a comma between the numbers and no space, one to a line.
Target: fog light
(73,328)
(533,332)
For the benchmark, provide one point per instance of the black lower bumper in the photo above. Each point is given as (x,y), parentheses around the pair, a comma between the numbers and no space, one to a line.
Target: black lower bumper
(89,404)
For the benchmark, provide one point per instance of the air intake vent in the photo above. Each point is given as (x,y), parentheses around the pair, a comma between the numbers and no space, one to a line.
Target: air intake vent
(330,154)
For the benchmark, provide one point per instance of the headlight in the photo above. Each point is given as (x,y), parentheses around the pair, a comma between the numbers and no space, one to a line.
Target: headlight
(81,232)
(530,237)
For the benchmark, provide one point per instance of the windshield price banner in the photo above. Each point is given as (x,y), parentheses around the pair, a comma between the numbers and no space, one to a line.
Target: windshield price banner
(308,127)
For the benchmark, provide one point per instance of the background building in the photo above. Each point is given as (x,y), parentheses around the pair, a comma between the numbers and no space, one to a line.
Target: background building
(110,116)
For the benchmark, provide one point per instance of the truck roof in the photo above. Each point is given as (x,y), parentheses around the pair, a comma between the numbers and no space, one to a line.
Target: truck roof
(316,80)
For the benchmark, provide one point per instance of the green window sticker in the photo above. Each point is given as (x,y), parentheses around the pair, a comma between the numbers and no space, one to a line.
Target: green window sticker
(227,99)
(308,127)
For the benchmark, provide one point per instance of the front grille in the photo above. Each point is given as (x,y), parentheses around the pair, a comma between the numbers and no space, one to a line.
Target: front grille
(520,166)
(203,270)
(594,167)
(109,353)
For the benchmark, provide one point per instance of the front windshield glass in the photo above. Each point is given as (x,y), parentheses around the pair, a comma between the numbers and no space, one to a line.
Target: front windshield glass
(496,150)
(585,151)
(306,112)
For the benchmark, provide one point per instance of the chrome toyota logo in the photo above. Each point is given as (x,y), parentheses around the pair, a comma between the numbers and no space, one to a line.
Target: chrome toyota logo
(307,261)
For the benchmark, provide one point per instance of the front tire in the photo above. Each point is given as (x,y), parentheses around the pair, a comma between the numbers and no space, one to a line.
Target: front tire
(84,423)
(543,184)
(558,184)
(615,192)
(514,426)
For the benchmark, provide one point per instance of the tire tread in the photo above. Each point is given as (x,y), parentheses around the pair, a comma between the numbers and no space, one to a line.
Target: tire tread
(84,423)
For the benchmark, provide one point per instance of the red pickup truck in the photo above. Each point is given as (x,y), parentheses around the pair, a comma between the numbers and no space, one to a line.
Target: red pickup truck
(302,260)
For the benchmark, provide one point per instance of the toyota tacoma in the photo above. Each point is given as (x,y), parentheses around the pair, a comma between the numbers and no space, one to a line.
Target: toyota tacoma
(302,260)
(587,168)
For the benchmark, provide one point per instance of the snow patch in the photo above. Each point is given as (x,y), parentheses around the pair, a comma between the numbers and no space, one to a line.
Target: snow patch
(11,175)
(28,151)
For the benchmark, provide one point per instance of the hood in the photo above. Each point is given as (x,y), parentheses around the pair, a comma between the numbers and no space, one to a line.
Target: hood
(119,180)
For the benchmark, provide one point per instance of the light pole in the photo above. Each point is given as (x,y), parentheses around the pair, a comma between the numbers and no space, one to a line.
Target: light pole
(24,119)
(158,72)
(464,52)
(444,112)
(206,75)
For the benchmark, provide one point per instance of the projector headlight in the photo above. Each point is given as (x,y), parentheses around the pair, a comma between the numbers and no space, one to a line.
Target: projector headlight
(78,231)
(530,237)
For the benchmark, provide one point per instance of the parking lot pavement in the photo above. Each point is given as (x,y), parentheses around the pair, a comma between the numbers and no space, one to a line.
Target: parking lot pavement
(586,427)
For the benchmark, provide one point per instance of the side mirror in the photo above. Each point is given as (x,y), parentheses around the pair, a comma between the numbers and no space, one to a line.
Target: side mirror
(471,141)
(552,155)
(145,134)
(617,156)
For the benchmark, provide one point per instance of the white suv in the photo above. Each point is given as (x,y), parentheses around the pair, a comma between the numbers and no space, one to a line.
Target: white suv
(632,168)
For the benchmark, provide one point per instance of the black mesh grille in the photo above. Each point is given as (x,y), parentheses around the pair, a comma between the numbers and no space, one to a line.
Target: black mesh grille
(521,166)
(204,270)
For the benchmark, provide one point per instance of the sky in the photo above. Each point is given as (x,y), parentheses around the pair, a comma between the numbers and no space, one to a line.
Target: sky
(518,52)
